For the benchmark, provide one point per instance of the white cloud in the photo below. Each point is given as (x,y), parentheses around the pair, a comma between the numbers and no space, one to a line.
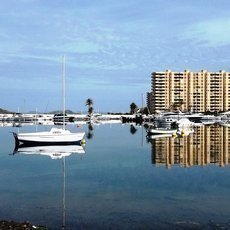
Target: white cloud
(214,32)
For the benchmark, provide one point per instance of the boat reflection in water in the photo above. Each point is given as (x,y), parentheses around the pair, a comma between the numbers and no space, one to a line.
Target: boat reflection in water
(207,145)
(55,152)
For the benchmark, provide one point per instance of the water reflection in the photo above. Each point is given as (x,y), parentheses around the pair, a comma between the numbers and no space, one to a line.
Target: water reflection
(206,145)
(116,182)
(133,129)
(55,152)
(89,134)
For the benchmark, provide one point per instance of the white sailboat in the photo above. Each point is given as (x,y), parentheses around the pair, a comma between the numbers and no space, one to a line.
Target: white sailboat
(56,136)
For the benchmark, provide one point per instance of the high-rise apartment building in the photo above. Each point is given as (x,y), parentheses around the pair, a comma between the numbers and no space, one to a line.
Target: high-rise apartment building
(189,91)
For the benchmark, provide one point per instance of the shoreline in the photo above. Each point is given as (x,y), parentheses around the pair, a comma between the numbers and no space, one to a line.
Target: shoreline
(177,225)
(6,225)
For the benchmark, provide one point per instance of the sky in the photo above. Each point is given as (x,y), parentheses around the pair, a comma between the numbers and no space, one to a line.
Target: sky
(111,48)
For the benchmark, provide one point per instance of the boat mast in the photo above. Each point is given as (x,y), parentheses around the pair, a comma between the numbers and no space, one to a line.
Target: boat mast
(63,88)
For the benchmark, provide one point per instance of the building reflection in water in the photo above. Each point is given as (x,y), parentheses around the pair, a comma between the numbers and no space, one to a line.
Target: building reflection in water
(207,145)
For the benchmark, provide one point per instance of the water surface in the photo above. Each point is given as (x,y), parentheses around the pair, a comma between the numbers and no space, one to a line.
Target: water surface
(122,181)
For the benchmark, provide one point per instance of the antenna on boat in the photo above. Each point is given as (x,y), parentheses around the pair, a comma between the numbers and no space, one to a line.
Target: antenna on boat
(63,88)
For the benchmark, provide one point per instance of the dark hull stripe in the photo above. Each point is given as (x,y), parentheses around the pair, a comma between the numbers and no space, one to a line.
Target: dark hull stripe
(41,143)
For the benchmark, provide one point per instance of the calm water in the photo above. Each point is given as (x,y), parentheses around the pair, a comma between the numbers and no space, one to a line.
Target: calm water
(122,181)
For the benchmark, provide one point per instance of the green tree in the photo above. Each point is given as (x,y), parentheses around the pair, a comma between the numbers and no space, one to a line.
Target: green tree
(133,108)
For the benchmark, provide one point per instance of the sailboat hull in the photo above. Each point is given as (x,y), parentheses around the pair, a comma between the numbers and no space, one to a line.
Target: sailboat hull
(54,136)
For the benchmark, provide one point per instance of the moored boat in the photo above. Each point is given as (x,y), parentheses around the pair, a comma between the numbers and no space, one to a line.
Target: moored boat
(184,123)
(55,136)
(158,136)
(210,119)
(161,131)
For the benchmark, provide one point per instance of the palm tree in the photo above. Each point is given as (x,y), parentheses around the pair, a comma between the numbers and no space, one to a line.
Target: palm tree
(133,107)
(89,103)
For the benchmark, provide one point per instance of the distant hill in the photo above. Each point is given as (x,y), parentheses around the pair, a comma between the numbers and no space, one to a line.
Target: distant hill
(52,112)
(3,111)
(59,111)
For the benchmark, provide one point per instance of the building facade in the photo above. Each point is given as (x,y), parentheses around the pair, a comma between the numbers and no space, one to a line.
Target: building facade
(189,91)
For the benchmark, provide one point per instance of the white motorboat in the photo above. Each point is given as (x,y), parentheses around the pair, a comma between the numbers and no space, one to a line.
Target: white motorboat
(170,117)
(162,131)
(57,136)
(176,127)
(165,119)
(225,116)
(184,123)
(224,123)
(210,119)
(158,136)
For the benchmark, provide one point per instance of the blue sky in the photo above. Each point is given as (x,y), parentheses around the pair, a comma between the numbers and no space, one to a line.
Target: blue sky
(111,48)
